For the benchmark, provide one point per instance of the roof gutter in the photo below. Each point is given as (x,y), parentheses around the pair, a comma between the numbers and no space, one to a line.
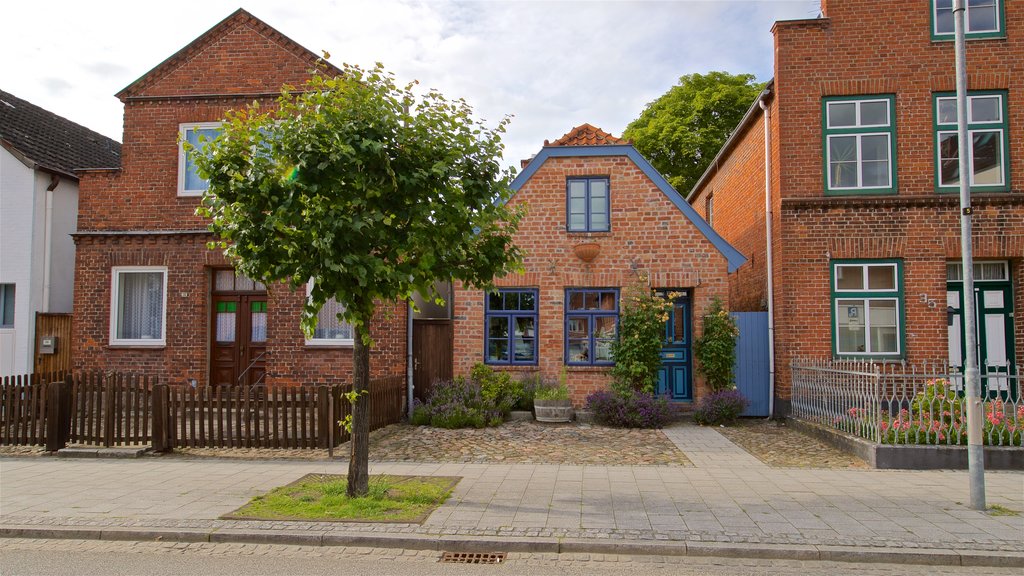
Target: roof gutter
(752,113)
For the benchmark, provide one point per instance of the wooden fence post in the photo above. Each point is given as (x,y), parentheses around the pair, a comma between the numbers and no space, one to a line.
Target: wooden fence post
(323,398)
(58,414)
(161,418)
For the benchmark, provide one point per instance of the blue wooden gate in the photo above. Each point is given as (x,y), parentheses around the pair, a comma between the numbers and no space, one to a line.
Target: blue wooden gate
(752,361)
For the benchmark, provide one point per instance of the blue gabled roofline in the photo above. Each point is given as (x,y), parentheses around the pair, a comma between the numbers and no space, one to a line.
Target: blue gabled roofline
(732,255)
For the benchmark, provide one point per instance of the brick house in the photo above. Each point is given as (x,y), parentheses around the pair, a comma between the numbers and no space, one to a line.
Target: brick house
(862,180)
(599,216)
(149,295)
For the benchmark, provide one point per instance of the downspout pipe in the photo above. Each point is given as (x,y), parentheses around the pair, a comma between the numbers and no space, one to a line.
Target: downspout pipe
(47,240)
(768,251)
(408,360)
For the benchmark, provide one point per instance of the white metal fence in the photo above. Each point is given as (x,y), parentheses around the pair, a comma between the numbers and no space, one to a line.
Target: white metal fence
(905,404)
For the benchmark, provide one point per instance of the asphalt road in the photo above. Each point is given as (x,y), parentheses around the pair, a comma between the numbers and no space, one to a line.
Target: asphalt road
(88,558)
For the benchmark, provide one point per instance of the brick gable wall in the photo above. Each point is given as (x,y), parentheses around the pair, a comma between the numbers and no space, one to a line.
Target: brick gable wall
(200,84)
(648,234)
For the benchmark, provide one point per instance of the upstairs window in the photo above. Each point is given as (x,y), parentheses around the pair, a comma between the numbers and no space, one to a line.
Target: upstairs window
(197,134)
(588,205)
(867,306)
(987,156)
(860,145)
(709,209)
(982,19)
(511,321)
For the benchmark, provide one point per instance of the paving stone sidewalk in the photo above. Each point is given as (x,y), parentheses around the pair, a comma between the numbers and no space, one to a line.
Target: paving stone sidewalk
(727,497)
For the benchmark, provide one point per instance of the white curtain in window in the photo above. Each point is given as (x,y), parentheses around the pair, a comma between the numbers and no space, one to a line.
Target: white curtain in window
(140,305)
(328,327)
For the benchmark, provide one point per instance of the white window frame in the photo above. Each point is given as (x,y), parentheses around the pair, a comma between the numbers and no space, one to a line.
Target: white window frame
(967,21)
(183,129)
(976,127)
(858,131)
(14,309)
(115,287)
(326,342)
(1003,264)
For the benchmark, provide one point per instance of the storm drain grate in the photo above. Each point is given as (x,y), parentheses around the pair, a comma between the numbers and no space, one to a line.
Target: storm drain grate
(473,557)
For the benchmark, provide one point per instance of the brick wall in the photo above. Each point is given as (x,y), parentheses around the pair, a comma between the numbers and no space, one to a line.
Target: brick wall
(185,355)
(648,235)
(846,53)
(238,61)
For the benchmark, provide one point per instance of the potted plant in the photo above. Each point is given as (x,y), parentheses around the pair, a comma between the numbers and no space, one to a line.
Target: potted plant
(552,404)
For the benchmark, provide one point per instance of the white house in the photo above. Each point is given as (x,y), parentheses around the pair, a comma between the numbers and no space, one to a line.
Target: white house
(39,153)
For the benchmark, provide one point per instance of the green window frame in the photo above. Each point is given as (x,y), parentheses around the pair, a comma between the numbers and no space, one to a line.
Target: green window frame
(982,19)
(859,144)
(867,309)
(988,128)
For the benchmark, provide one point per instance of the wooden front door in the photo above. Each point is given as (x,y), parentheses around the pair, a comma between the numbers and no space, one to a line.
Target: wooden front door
(674,376)
(431,355)
(238,339)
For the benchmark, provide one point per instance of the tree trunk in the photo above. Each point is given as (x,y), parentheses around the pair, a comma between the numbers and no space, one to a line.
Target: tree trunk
(359,459)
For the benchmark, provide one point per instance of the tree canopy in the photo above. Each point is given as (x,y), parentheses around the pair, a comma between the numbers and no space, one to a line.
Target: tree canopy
(681,131)
(369,191)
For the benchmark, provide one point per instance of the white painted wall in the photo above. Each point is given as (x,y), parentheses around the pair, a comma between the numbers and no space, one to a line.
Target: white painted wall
(23,231)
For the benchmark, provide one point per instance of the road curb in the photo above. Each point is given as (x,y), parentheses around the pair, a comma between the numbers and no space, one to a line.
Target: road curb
(459,543)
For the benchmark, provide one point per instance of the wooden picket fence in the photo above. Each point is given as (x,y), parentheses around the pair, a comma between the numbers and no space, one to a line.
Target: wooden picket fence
(23,408)
(104,409)
(283,417)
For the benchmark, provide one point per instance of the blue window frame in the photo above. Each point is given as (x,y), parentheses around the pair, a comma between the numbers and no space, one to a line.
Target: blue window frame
(588,205)
(511,324)
(591,325)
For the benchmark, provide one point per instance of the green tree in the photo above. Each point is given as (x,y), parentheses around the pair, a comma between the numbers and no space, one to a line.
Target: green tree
(370,192)
(683,129)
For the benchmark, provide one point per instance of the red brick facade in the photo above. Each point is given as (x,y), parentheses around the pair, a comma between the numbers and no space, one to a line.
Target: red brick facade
(134,216)
(845,53)
(648,235)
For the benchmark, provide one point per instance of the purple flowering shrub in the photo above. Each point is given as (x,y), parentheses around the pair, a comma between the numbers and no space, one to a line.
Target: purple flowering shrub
(631,410)
(458,403)
(722,407)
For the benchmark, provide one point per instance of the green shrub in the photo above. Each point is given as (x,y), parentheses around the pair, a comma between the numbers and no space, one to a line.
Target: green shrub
(637,351)
(530,384)
(497,388)
(715,350)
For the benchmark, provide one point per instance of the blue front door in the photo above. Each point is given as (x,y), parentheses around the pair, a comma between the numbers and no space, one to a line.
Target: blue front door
(674,377)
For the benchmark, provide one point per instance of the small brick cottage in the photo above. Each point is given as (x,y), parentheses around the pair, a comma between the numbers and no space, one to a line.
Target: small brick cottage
(599,215)
(149,295)
(863,183)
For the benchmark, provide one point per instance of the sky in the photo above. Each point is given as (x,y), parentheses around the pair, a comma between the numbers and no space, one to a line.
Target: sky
(551,65)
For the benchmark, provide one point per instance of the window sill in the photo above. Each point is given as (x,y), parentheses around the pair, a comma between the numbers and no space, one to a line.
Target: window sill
(583,234)
(599,368)
(159,346)
(950,39)
(326,345)
(513,367)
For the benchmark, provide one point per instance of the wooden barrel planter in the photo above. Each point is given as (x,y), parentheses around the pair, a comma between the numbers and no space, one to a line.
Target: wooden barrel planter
(553,410)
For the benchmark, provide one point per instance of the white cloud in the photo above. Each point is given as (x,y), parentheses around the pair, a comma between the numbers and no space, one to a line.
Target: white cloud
(553,65)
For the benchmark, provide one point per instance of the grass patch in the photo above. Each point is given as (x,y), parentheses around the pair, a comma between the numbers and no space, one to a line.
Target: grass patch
(997,510)
(321,497)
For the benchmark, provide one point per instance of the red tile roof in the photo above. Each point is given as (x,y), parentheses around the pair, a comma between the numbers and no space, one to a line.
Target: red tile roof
(586,135)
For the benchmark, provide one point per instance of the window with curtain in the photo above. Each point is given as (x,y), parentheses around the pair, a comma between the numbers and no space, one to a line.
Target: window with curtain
(329,329)
(139,305)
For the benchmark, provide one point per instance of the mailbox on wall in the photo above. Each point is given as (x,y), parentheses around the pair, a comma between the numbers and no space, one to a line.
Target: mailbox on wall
(48,345)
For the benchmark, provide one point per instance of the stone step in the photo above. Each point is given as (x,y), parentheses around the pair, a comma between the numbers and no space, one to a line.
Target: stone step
(97,452)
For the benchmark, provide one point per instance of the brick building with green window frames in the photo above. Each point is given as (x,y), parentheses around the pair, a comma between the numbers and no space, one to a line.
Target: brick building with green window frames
(862,172)
(599,218)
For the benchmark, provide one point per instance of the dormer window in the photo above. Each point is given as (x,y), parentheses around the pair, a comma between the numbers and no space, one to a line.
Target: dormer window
(588,205)
(197,134)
